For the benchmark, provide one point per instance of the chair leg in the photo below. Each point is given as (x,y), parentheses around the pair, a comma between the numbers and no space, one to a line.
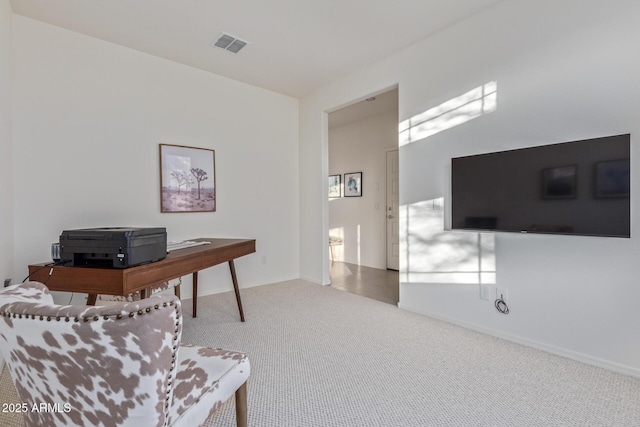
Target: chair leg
(176,290)
(241,406)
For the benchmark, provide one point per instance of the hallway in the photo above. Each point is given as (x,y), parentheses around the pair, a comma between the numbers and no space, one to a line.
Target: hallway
(381,285)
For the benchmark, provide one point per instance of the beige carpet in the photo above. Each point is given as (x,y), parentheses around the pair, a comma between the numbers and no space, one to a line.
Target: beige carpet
(322,357)
(8,395)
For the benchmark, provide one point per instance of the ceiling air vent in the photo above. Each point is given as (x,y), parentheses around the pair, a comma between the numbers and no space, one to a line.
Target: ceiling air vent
(229,42)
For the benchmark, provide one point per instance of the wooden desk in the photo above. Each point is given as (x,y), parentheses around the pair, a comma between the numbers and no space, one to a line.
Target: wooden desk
(116,281)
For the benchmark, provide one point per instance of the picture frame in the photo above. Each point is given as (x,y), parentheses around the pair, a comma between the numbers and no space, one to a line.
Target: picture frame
(559,182)
(353,184)
(335,186)
(187,179)
(612,179)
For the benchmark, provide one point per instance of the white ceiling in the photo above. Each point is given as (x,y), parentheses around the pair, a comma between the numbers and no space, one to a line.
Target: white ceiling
(296,45)
(381,103)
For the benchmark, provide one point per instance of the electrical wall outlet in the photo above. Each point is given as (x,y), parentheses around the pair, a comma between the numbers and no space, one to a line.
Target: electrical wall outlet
(7,282)
(502,293)
(485,292)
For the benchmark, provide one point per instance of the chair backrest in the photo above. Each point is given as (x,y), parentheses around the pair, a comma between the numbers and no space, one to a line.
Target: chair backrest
(85,365)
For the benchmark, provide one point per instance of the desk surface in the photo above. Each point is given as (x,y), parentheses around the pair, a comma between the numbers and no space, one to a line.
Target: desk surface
(114,281)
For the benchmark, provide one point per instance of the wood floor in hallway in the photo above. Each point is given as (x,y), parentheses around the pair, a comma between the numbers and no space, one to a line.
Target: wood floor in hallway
(381,285)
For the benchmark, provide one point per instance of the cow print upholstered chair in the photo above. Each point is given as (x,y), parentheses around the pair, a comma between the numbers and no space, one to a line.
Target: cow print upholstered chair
(114,365)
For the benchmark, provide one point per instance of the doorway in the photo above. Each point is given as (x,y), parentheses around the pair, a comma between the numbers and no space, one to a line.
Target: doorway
(363,227)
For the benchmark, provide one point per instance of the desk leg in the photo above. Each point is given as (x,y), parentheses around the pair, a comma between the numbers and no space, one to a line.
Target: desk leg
(234,278)
(195,293)
(91,299)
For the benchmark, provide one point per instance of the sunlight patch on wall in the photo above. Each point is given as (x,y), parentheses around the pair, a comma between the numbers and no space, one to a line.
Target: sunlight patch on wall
(358,231)
(345,244)
(468,106)
(434,255)
(336,244)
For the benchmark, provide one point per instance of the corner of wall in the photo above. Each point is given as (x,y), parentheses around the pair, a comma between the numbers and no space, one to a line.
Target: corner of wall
(6,143)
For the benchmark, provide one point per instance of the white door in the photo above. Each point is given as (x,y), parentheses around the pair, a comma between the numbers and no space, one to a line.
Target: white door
(393,209)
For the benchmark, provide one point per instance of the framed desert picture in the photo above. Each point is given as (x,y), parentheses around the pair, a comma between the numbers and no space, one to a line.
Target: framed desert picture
(187,179)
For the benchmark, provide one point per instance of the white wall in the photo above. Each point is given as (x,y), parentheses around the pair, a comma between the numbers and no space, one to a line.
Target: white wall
(361,146)
(6,152)
(88,118)
(565,71)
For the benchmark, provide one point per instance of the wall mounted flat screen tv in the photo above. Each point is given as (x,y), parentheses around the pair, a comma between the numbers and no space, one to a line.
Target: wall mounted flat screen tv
(576,188)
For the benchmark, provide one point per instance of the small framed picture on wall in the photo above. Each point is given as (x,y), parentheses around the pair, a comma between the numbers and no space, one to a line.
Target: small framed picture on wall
(353,184)
(335,186)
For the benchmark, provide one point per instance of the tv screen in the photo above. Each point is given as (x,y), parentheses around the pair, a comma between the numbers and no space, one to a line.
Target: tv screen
(579,187)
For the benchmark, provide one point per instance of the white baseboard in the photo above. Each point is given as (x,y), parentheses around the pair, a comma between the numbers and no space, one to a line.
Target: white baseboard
(203,291)
(313,280)
(558,351)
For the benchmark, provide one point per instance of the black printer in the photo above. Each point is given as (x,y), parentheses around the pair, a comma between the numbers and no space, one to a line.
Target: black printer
(117,247)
